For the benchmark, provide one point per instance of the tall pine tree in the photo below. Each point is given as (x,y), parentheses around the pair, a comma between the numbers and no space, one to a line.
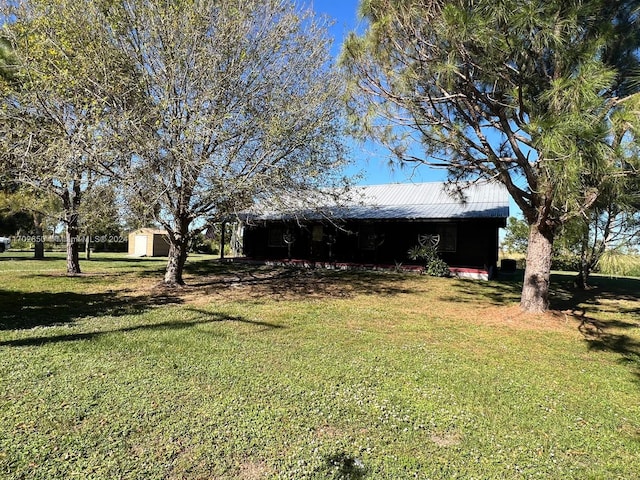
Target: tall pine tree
(524,92)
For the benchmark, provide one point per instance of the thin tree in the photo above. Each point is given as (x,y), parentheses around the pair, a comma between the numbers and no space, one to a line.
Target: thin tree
(242,106)
(608,228)
(516,236)
(523,92)
(100,214)
(55,107)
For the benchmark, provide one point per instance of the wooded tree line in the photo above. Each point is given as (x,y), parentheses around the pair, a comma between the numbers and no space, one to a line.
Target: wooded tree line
(196,109)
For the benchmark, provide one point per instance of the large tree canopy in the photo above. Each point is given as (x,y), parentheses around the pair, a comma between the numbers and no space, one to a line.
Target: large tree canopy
(197,108)
(242,105)
(539,95)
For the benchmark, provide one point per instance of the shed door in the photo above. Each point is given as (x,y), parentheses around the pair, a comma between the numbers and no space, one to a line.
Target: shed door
(140,246)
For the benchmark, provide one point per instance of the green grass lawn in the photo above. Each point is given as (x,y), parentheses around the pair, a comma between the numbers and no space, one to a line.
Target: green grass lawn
(254,372)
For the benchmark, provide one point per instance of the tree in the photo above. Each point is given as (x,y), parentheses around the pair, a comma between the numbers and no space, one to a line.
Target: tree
(55,108)
(101,219)
(606,229)
(524,92)
(517,235)
(242,105)
(12,220)
(26,203)
(8,63)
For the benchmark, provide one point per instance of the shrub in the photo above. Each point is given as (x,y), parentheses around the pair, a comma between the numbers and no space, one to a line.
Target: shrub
(433,264)
(614,263)
(202,244)
(565,261)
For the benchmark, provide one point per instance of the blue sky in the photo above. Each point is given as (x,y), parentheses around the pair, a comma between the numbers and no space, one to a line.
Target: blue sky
(371,162)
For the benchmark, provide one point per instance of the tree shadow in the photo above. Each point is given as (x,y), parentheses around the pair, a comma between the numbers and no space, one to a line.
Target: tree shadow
(121,258)
(611,336)
(280,283)
(618,329)
(607,314)
(29,309)
(210,317)
(5,258)
(218,317)
(216,266)
(344,466)
(564,295)
(24,310)
(495,292)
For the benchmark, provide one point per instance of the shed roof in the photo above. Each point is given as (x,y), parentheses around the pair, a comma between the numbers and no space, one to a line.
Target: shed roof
(149,231)
(410,201)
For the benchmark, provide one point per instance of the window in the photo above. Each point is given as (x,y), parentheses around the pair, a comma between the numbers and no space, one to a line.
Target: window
(369,240)
(448,238)
(275,238)
(443,237)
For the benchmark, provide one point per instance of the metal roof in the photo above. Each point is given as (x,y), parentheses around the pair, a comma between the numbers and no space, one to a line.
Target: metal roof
(419,201)
(410,201)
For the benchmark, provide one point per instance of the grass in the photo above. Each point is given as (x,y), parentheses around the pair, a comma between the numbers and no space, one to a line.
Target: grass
(257,373)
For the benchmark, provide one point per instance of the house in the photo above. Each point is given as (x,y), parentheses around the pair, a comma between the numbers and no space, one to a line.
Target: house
(379,224)
(148,242)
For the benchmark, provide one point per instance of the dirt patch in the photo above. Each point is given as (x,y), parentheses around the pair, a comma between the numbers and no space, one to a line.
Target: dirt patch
(513,316)
(253,470)
(327,431)
(446,439)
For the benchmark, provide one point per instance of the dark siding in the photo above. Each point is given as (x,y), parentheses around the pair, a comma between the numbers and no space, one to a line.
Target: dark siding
(470,243)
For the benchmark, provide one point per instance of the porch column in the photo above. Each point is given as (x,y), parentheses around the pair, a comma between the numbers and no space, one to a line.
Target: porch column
(222,229)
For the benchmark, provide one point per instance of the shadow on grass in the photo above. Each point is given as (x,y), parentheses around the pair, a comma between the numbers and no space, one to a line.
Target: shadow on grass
(606,321)
(344,465)
(563,293)
(119,257)
(496,292)
(210,317)
(23,310)
(281,282)
(218,317)
(28,309)
(610,336)
(620,334)
(5,258)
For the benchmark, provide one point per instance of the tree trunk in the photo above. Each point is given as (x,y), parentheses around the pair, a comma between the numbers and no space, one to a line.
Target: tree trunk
(38,246)
(175,264)
(223,227)
(582,281)
(73,257)
(179,244)
(535,289)
(87,247)
(71,203)
(592,250)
